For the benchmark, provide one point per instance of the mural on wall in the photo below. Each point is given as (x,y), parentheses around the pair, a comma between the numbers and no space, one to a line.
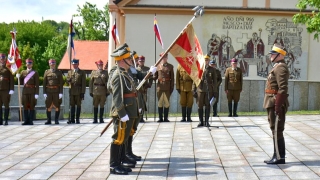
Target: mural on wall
(253,44)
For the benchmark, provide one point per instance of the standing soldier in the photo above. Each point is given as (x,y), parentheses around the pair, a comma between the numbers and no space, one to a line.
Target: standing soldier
(30,92)
(77,80)
(213,64)
(52,90)
(6,88)
(144,89)
(98,90)
(165,85)
(205,91)
(184,88)
(233,86)
(276,101)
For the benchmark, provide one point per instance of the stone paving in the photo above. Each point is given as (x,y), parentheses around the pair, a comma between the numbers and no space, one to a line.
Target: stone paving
(174,150)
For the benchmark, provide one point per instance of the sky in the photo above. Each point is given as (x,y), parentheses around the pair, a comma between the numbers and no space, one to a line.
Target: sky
(57,10)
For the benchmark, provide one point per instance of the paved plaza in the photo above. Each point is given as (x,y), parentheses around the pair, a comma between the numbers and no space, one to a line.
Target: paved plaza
(174,150)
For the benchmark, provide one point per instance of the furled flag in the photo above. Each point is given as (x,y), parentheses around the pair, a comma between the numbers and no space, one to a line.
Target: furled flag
(14,59)
(187,51)
(70,41)
(115,34)
(157,31)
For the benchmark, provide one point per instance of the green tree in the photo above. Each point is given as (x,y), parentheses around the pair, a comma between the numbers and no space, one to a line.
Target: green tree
(56,48)
(95,25)
(309,15)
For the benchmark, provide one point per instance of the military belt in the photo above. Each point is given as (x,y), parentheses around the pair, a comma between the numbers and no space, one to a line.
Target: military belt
(130,95)
(29,85)
(271,91)
(52,87)
(2,78)
(97,84)
(207,82)
(164,79)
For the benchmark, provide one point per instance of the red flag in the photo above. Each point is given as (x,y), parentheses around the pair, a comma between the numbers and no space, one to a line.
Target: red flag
(114,32)
(187,51)
(14,59)
(157,31)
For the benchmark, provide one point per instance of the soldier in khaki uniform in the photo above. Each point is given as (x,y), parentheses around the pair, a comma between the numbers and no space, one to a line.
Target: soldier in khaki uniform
(98,90)
(165,85)
(205,91)
(213,64)
(124,109)
(184,88)
(77,80)
(30,92)
(233,86)
(6,88)
(276,100)
(53,90)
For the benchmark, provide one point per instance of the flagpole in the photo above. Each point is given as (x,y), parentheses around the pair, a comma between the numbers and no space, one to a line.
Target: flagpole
(19,95)
(155,82)
(199,12)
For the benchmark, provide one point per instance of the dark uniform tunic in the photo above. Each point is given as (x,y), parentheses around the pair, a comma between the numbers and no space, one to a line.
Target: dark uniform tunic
(233,83)
(6,84)
(207,87)
(30,88)
(144,89)
(277,83)
(53,86)
(219,81)
(98,87)
(76,78)
(184,84)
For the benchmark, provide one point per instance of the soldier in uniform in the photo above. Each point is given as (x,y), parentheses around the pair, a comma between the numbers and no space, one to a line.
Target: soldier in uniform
(77,80)
(184,88)
(144,89)
(165,85)
(6,88)
(213,64)
(124,109)
(30,92)
(205,91)
(276,100)
(233,86)
(98,90)
(53,90)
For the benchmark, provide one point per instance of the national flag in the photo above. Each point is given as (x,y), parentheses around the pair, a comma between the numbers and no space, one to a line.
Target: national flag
(187,51)
(157,31)
(115,34)
(14,59)
(70,46)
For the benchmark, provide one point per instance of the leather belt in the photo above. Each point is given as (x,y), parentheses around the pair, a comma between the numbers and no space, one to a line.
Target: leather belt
(52,87)
(97,84)
(164,79)
(30,85)
(2,78)
(130,95)
(207,82)
(271,91)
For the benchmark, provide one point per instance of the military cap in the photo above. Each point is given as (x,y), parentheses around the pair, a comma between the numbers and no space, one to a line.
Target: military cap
(75,61)
(52,61)
(206,56)
(278,49)
(134,55)
(29,61)
(2,56)
(99,62)
(234,60)
(141,58)
(162,54)
(121,53)
(212,62)
(125,45)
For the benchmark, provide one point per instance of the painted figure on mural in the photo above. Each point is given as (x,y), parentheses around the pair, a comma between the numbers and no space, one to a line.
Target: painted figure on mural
(255,46)
(213,47)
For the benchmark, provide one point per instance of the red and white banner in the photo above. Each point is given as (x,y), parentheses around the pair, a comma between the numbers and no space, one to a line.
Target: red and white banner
(14,59)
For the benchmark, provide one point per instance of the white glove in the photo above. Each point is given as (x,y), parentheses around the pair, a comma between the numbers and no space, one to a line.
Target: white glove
(36,96)
(153,69)
(140,110)
(18,75)
(125,118)
(11,92)
(60,96)
(45,96)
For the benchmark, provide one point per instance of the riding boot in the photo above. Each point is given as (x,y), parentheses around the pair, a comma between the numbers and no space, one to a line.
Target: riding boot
(95,115)
(282,153)
(200,112)
(215,106)
(1,120)
(78,114)
(126,162)
(207,114)
(56,117)
(160,111)
(115,163)
(72,114)
(6,116)
(129,152)
(184,113)
(101,115)
(48,117)
(165,113)
(230,109)
(25,117)
(235,106)
(31,116)
(274,154)
(189,109)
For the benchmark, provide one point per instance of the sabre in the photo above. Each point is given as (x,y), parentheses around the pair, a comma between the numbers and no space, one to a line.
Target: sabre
(276,137)
(105,128)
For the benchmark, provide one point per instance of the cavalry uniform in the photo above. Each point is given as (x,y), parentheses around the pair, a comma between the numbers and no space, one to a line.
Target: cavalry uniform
(98,90)
(216,94)
(76,79)
(233,85)
(184,88)
(29,78)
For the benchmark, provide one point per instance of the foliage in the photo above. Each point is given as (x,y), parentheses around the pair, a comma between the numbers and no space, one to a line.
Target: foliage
(310,19)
